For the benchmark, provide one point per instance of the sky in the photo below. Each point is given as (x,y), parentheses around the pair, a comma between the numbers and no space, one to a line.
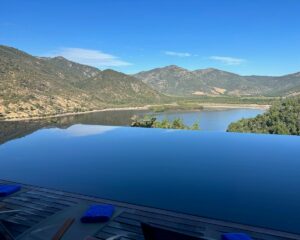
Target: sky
(248,37)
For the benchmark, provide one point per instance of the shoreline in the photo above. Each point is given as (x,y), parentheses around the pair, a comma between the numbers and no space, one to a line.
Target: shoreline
(206,106)
(223,106)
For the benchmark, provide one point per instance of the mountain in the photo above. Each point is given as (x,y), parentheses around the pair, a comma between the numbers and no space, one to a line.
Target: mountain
(39,86)
(34,86)
(287,85)
(174,80)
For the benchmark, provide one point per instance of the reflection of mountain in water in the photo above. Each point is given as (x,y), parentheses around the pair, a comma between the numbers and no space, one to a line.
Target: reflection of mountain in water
(18,129)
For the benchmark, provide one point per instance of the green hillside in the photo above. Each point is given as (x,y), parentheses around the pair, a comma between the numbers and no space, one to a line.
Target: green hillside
(173,80)
(32,86)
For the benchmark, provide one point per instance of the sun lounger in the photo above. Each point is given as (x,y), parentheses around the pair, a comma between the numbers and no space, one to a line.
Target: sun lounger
(98,213)
(6,190)
(235,236)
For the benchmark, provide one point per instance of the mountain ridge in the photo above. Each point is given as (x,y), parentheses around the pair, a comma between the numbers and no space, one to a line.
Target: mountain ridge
(212,68)
(212,81)
(42,86)
(32,86)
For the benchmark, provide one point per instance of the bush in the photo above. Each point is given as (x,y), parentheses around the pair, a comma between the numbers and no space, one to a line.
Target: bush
(282,118)
(151,122)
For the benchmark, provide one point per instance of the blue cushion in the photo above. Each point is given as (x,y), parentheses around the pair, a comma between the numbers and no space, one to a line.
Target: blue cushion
(6,190)
(98,213)
(235,236)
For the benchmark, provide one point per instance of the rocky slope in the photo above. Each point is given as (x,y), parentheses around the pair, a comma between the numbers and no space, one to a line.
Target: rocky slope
(173,80)
(32,86)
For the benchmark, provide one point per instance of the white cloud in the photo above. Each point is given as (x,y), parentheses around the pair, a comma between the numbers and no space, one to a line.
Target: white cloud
(178,54)
(228,60)
(91,57)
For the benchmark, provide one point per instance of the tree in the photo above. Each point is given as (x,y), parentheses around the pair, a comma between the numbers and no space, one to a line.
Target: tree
(282,118)
(151,122)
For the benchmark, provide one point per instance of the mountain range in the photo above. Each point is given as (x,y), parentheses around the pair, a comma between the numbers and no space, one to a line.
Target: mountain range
(40,86)
(174,80)
(34,86)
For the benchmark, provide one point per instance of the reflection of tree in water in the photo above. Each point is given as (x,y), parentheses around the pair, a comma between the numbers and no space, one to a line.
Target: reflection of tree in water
(18,129)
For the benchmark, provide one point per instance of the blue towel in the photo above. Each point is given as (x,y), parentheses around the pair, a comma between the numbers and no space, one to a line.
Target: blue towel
(235,236)
(98,213)
(6,190)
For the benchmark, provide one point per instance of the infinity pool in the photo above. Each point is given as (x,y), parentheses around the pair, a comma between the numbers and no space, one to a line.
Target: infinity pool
(245,178)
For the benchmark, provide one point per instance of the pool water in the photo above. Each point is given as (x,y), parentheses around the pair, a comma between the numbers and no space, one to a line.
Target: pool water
(246,178)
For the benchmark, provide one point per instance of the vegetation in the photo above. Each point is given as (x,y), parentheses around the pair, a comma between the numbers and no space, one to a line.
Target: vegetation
(282,118)
(151,122)
(41,87)
(196,103)
(32,86)
(177,81)
(230,100)
(179,106)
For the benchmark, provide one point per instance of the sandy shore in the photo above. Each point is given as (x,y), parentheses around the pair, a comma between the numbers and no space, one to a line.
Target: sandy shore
(206,106)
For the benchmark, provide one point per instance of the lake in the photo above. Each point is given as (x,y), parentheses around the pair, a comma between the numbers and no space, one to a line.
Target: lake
(209,120)
(245,178)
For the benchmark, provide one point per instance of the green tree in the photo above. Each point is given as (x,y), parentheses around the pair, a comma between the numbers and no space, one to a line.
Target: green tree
(152,122)
(282,118)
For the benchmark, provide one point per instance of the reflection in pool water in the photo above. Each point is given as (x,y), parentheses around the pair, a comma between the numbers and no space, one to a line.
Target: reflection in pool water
(216,120)
(247,178)
(79,130)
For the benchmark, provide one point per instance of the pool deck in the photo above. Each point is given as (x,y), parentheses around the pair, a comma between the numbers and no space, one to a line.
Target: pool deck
(45,210)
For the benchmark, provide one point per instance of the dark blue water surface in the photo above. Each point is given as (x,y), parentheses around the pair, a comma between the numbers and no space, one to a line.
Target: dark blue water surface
(245,178)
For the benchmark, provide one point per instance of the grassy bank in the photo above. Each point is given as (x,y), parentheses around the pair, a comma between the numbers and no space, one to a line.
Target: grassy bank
(227,100)
(206,102)
(177,106)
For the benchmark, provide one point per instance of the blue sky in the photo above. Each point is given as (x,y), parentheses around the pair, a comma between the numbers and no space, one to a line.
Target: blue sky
(243,36)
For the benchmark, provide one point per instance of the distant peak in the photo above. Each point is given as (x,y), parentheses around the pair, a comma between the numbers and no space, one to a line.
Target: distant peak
(60,58)
(211,69)
(109,70)
(174,67)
